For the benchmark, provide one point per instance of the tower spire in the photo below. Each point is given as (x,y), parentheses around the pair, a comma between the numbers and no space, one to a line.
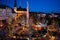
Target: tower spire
(27,15)
(14,3)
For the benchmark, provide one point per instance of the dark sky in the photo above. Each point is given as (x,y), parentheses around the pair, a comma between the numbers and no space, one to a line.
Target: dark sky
(36,5)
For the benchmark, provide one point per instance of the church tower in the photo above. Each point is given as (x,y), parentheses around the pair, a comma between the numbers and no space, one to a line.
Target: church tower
(15,8)
(22,11)
(14,3)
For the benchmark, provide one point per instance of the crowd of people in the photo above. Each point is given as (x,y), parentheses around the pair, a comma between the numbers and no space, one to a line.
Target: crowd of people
(44,26)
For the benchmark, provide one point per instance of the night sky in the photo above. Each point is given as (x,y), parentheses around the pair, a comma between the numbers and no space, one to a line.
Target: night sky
(36,5)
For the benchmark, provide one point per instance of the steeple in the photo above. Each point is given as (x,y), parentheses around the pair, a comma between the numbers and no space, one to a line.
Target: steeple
(14,3)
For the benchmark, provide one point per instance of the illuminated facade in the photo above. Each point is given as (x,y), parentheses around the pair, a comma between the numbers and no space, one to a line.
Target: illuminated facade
(21,11)
(5,12)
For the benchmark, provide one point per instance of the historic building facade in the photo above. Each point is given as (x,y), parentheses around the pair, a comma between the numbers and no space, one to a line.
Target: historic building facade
(5,12)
